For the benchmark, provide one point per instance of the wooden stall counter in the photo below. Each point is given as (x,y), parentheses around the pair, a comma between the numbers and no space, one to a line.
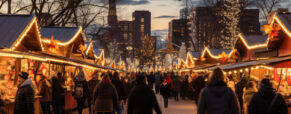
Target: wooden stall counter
(9,106)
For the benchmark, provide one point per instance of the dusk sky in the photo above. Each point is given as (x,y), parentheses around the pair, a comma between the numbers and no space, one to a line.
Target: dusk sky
(162,11)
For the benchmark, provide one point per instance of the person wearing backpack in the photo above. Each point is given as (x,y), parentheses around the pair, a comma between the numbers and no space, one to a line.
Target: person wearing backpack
(267,101)
(81,91)
(45,91)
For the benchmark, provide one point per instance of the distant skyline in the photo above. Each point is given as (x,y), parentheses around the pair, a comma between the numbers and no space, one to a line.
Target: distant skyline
(163,11)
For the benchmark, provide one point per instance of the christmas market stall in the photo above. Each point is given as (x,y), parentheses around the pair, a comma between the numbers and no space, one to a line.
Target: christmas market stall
(20,38)
(69,42)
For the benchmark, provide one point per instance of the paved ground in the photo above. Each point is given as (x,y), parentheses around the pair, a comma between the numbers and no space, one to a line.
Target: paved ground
(175,107)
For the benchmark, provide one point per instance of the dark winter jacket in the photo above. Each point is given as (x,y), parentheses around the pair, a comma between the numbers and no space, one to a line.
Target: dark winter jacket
(105,97)
(92,84)
(45,90)
(198,84)
(177,84)
(84,84)
(239,88)
(120,88)
(165,90)
(218,100)
(261,102)
(24,99)
(158,80)
(58,92)
(142,100)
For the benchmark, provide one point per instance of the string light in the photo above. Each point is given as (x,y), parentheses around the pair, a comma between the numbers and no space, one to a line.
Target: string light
(229,72)
(46,59)
(252,46)
(24,33)
(211,55)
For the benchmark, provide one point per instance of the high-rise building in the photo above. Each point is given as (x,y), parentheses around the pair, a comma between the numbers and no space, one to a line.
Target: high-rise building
(112,17)
(113,30)
(249,23)
(141,27)
(177,33)
(126,30)
(206,31)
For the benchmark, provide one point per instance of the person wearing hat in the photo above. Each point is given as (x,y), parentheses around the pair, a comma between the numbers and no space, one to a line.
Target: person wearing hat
(165,91)
(24,99)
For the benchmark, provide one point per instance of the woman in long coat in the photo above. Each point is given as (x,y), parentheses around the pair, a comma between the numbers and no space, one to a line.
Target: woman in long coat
(105,97)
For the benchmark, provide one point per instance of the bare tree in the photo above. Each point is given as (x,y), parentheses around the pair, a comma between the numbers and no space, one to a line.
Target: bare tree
(266,6)
(61,12)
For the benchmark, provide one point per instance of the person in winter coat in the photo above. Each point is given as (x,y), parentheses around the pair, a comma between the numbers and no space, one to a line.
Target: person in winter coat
(184,87)
(266,101)
(126,82)
(142,99)
(92,84)
(177,86)
(239,88)
(165,91)
(81,91)
(45,91)
(198,84)
(158,80)
(105,97)
(58,95)
(24,99)
(251,89)
(217,98)
(120,91)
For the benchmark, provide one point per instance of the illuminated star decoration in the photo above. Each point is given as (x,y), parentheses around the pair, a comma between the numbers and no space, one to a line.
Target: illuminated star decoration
(52,46)
(223,57)
(271,30)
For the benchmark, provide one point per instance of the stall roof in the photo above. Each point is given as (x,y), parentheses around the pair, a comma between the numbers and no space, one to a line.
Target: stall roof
(195,54)
(63,34)
(286,19)
(255,39)
(216,52)
(11,27)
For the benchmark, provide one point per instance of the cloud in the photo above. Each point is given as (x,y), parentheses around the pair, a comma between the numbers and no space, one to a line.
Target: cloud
(166,16)
(132,2)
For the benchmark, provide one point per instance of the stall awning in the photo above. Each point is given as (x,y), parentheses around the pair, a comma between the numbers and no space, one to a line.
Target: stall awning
(244,64)
(52,58)
(257,62)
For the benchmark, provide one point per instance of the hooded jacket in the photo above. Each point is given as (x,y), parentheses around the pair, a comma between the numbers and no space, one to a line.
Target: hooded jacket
(218,100)
(24,99)
(262,100)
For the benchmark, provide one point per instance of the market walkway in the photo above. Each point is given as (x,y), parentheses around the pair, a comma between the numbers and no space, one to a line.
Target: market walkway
(175,107)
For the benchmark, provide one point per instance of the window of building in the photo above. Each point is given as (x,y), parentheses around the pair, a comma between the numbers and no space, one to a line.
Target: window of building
(142,20)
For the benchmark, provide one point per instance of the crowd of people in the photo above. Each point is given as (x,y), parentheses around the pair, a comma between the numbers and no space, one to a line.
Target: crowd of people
(109,93)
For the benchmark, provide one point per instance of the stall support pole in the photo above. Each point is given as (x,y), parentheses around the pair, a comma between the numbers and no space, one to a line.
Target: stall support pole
(17,70)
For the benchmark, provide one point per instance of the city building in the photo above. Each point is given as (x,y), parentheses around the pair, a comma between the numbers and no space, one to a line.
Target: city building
(183,14)
(126,30)
(249,23)
(141,27)
(177,33)
(206,31)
